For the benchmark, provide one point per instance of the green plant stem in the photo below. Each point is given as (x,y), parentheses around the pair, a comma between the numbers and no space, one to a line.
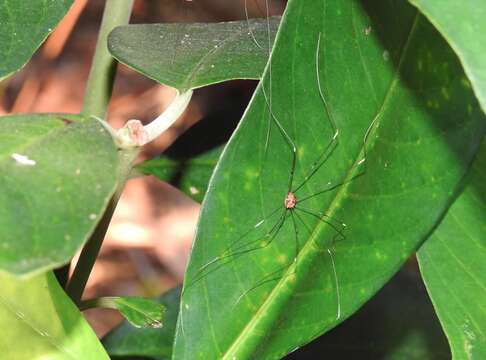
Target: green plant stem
(87,258)
(102,73)
(107,302)
(97,96)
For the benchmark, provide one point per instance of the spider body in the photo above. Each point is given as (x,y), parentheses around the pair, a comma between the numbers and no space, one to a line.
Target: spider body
(290,200)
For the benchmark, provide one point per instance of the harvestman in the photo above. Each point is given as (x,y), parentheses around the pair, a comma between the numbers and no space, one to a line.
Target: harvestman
(291,204)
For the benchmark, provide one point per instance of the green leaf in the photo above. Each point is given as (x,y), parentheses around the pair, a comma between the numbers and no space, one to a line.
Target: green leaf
(398,323)
(462,25)
(127,340)
(39,321)
(261,279)
(188,56)
(191,176)
(24,25)
(140,312)
(453,266)
(58,174)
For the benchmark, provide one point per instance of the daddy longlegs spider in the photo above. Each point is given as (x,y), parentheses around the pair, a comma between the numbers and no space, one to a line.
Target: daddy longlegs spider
(292,206)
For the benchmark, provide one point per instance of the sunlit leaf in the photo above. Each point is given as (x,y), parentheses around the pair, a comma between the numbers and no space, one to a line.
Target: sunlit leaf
(57,175)
(261,279)
(188,56)
(24,25)
(127,340)
(39,321)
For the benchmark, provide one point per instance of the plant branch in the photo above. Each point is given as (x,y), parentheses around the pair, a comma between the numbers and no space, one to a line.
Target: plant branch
(97,95)
(107,302)
(87,258)
(102,73)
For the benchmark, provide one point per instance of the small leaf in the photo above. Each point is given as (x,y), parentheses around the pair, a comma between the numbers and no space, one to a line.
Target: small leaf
(453,266)
(39,321)
(463,25)
(127,340)
(24,25)
(191,176)
(141,312)
(57,175)
(188,56)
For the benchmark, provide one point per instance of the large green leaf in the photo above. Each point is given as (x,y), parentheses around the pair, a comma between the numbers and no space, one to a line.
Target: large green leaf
(39,321)
(453,265)
(58,174)
(23,27)
(191,176)
(188,56)
(127,340)
(382,65)
(462,24)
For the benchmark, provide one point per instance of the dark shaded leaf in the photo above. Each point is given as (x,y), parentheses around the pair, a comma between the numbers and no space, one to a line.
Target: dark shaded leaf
(398,323)
(453,266)
(463,26)
(191,176)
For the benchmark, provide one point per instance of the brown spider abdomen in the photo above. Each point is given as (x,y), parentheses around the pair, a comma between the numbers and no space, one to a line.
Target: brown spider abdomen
(290,200)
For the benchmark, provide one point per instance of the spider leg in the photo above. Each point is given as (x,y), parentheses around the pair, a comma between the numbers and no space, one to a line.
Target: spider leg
(234,253)
(333,265)
(331,146)
(272,276)
(331,222)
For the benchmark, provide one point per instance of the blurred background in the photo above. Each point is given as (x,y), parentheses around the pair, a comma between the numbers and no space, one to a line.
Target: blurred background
(149,238)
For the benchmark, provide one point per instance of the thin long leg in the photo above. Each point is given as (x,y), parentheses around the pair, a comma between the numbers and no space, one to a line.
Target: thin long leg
(320,216)
(287,139)
(271,277)
(216,263)
(269,235)
(330,187)
(249,27)
(331,146)
(362,159)
(253,228)
(296,232)
(321,92)
(269,102)
(316,165)
(333,265)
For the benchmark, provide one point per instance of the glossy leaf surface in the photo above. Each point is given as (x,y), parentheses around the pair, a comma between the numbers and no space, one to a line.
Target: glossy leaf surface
(261,279)
(453,265)
(58,174)
(188,56)
(462,24)
(127,340)
(141,312)
(24,25)
(39,321)
(398,323)
(191,176)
